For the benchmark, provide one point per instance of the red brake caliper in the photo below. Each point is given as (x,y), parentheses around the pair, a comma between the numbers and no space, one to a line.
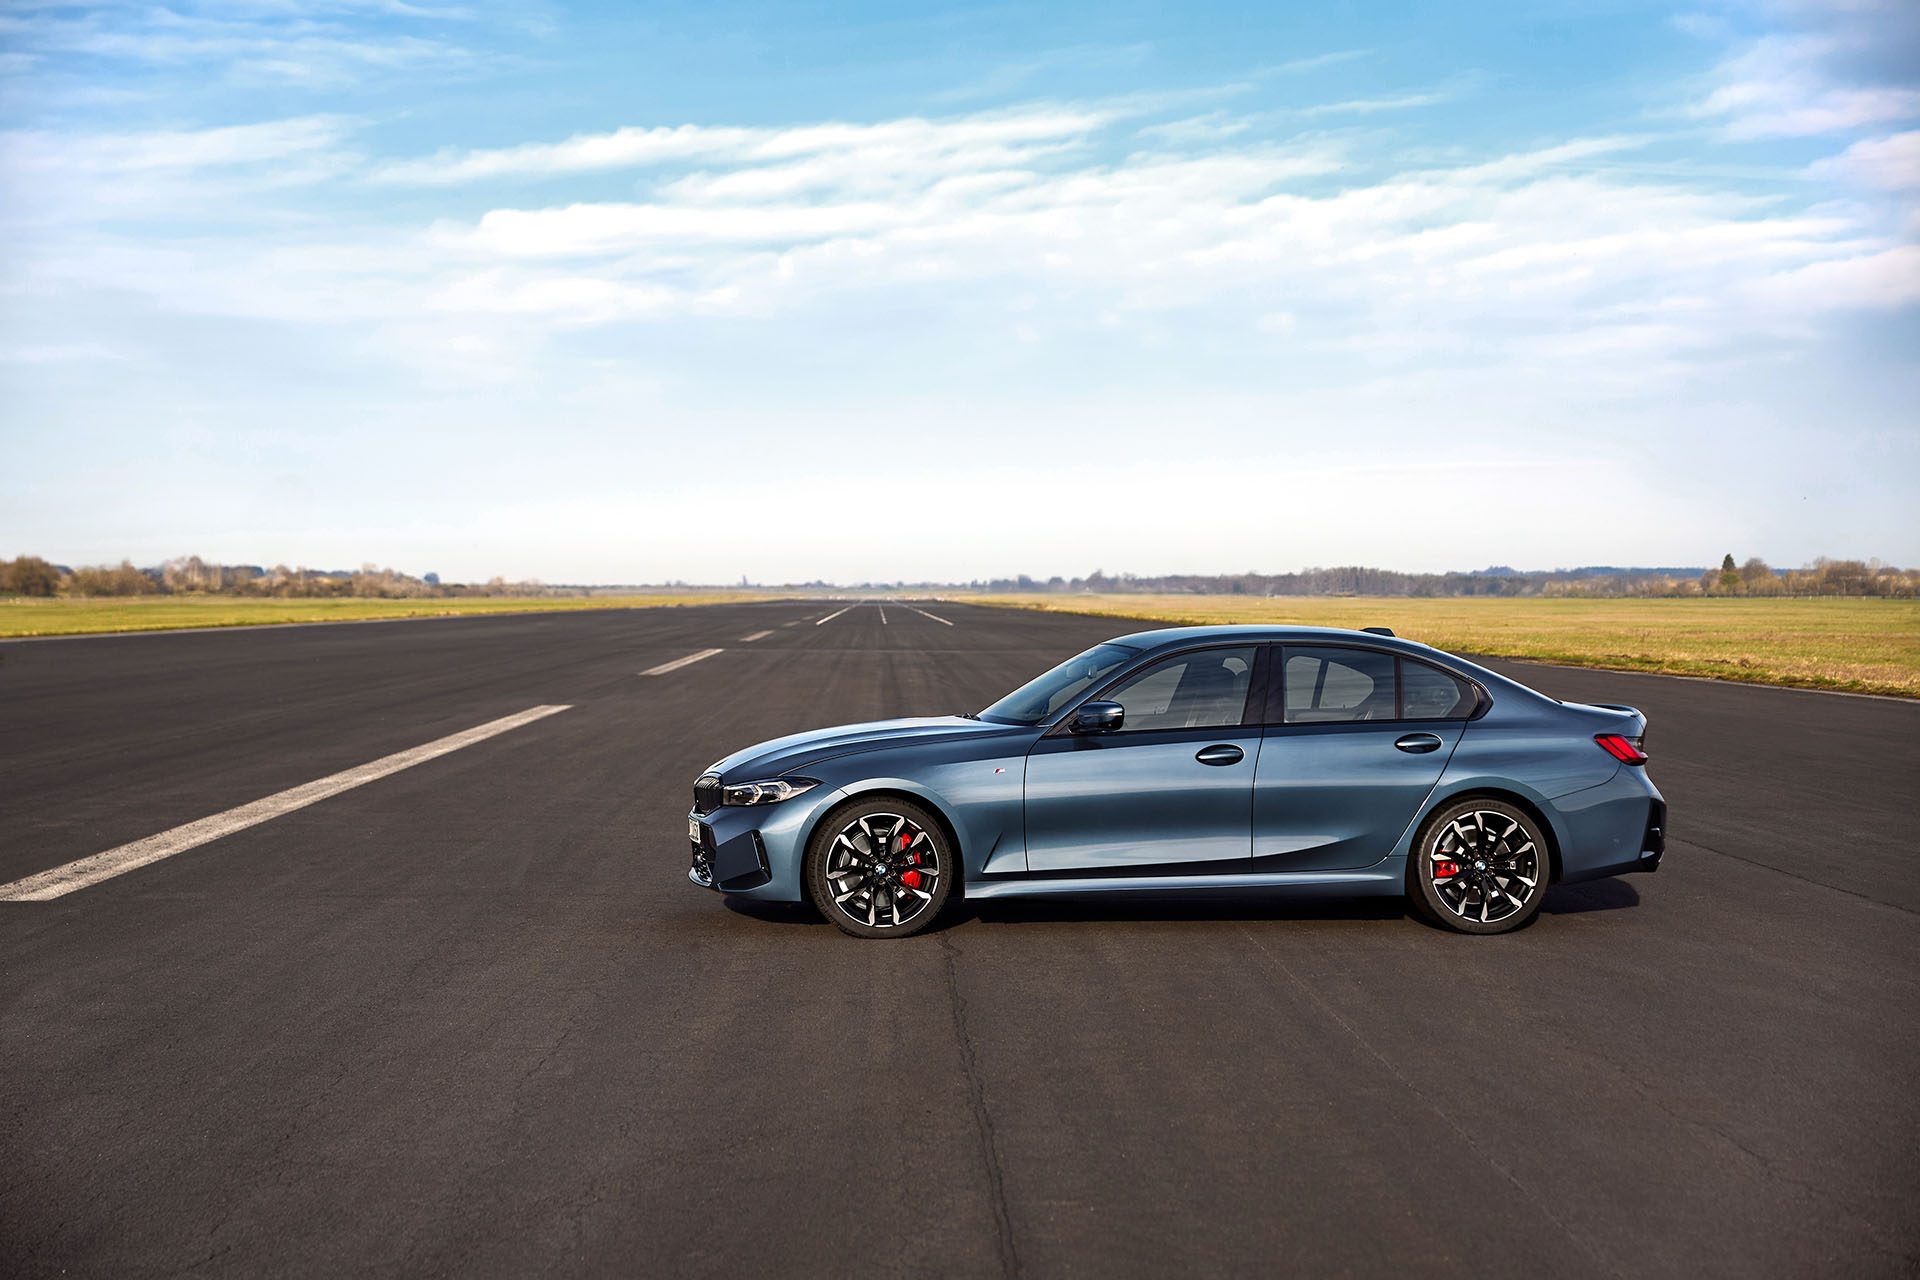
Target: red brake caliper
(1441,870)
(911,879)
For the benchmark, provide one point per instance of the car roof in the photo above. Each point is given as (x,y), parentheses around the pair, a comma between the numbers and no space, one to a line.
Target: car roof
(1165,637)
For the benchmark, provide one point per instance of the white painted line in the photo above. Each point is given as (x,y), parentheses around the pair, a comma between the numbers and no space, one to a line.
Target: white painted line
(60,881)
(923,613)
(758,635)
(678,663)
(830,617)
(883,617)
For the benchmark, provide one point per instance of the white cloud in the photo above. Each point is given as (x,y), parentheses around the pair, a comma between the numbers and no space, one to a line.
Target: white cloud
(635,147)
(1007,211)
(29,153)
(1809,82)
(283,44)
(1881,280)
(1891,163)
(1373,106)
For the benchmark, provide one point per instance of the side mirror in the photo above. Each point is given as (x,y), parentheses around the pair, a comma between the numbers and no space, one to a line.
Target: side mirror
(1098,717)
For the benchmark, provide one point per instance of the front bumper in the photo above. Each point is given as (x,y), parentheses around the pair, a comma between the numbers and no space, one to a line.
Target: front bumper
(700,836)
(756,850)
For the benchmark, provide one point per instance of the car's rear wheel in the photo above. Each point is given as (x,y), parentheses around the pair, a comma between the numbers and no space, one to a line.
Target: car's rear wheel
(1479,866)
(880,868)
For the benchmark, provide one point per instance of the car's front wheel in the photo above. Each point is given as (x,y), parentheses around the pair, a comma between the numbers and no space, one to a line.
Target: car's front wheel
(880,868)
(1479,866)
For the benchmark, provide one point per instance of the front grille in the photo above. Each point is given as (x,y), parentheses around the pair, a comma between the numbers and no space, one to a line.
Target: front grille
(706,793)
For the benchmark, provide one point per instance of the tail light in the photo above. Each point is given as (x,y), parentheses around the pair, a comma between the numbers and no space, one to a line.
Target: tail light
(1622,748)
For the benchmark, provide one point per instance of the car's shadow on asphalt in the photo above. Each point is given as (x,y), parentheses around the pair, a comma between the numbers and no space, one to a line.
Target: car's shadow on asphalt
(1594,895)
(1562,900)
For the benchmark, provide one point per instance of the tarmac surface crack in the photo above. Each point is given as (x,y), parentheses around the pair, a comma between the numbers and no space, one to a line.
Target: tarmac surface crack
(982,1117)
(1690,842)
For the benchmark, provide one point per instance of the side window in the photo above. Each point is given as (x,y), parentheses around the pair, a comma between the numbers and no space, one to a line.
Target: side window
(1204,689)
(1428,693)
(1335,686)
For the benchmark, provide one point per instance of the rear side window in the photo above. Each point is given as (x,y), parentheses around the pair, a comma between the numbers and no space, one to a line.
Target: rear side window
(1428,693)
(1337,686)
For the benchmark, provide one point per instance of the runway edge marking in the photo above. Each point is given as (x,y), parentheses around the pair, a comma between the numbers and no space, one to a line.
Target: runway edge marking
(936,617)
(45,886)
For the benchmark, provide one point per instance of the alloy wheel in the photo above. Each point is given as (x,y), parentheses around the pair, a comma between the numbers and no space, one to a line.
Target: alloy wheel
(882,869)
(1483,866)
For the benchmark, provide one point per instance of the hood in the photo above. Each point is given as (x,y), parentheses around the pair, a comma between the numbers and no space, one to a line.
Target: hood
(796,752)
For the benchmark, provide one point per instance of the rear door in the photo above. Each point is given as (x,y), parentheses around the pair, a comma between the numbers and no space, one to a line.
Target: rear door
(1355,740)
(1169,793)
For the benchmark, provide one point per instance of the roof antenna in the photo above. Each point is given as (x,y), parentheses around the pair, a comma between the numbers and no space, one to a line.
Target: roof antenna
(1378,631)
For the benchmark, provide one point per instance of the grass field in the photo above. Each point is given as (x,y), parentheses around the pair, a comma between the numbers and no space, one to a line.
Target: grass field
(21,616)
(1860,646)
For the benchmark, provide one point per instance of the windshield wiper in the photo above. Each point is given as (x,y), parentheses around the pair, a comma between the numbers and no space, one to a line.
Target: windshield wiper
(968,715)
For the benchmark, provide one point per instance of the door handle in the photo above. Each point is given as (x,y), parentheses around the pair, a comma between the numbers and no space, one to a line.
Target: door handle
(1227,753)
(1418,743)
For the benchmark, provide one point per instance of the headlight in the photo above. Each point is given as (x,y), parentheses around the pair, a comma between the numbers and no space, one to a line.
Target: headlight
(772,791)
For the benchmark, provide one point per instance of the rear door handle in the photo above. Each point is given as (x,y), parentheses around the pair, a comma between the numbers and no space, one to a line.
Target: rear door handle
(1227,753)
(1418,742)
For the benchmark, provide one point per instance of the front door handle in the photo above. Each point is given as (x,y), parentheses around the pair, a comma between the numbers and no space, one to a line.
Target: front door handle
(1418,743)
(1227,753)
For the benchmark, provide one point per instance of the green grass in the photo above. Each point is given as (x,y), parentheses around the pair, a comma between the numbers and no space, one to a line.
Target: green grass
(1860,646)
(63,616)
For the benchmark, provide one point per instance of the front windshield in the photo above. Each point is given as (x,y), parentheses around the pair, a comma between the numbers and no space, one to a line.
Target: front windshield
(1044,695)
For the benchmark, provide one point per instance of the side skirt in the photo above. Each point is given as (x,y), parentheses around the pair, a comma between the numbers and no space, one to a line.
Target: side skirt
(1376,881)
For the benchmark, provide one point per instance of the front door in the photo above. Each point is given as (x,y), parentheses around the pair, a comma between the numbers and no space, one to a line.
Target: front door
(1169,792)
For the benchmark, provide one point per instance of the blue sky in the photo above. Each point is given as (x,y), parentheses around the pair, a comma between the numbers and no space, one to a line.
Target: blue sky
(873,292)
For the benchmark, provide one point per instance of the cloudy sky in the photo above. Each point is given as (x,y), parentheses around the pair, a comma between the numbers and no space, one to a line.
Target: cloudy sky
(878,291)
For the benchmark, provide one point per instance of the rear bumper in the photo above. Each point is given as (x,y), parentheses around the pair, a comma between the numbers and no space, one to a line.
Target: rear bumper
(1653,845)
(1617,827)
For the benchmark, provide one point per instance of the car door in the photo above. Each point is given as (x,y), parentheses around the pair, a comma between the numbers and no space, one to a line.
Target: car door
(1170,791)
(1356,738)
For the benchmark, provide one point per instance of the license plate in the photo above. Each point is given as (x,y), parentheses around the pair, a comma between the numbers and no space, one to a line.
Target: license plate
(693,831)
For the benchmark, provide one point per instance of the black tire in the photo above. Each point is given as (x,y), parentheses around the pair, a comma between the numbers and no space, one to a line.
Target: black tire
(1498,855)
(862,882)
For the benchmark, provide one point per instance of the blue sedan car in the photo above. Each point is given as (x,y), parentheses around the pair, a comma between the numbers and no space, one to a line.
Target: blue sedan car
(1298,760)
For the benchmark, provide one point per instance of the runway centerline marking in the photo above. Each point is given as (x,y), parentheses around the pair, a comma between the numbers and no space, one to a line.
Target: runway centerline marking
(936,617)
(830,617)
(883,617)
(678,663)
(60,881)
(758,635)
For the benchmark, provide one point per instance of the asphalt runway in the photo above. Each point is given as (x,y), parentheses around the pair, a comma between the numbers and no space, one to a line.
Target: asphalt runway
(470,1018)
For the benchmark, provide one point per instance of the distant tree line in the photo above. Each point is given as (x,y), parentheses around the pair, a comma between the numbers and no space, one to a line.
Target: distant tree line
(190,575)
(1823,577)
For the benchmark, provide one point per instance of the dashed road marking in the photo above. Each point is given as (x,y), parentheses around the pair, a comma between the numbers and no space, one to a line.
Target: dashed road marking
(678,663)
(758,635)
(936,617)
(60,881)
(830,617)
